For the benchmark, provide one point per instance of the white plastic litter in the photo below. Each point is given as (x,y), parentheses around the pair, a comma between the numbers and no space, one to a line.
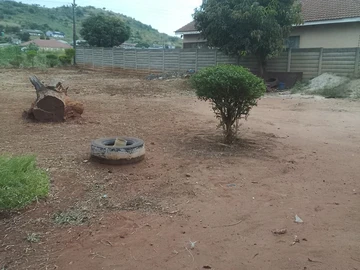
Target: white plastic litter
(298,219)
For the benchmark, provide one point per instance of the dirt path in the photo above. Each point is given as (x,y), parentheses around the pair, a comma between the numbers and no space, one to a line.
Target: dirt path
(193,203)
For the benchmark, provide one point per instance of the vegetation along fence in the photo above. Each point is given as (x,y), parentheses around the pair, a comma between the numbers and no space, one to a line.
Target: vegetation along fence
(312,62)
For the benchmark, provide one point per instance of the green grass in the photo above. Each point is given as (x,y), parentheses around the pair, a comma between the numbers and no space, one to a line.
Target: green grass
(33,238)
(21,182)
(334,92)
(70,217)
(12,56)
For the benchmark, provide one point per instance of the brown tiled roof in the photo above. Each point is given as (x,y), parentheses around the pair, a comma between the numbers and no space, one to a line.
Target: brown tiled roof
(322,10)
(43,43)
(315,10)
(190,27)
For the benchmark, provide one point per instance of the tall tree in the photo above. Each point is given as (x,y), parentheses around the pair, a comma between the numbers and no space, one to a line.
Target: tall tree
(239,27)
(104,31)
(24,36)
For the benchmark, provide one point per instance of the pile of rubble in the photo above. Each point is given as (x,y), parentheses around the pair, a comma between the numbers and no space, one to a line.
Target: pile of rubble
(171,75)
(325,81)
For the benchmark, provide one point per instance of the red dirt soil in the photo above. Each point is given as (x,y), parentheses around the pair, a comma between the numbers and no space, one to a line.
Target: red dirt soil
(296,156)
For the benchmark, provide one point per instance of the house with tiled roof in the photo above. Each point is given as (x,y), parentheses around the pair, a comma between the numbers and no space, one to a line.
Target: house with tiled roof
(327,24)
(49,45)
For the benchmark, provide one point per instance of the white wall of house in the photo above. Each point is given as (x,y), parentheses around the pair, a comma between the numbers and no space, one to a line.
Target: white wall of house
(193,38)
(341,35)
(193,41)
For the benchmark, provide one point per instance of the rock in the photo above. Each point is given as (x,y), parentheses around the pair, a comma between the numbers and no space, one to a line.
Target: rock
(279,232)
(188,175)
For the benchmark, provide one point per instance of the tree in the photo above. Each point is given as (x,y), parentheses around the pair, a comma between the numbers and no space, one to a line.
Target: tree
(104,31)
(24,36)
(239,27)
(142,44)
(233,91)
(31,56)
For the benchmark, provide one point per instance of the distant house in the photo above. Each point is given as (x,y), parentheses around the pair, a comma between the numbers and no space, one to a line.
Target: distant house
(15,41)
(327,24)
(191,36)
(55,34)
(49,45)
(33,32)
(156,47)
(127,45)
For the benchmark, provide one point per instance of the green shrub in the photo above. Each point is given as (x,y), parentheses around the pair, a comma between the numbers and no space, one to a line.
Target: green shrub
(17,61)
(52,60)
(70,53)
(31,56)
(233,91)
(65,60)
(21,182)
(32,47)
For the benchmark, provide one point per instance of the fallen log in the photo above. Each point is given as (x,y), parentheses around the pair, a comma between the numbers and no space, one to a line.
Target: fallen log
(52,103)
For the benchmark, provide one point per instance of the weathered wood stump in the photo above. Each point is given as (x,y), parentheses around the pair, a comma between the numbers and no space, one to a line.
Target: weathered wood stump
(52,103)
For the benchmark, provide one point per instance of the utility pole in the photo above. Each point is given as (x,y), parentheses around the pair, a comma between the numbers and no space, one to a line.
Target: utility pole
(74,31)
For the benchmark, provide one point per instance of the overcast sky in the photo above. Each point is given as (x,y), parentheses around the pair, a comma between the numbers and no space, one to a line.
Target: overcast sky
(163,15)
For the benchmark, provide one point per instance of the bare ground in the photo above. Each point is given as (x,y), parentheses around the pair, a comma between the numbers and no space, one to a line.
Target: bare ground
(193,203)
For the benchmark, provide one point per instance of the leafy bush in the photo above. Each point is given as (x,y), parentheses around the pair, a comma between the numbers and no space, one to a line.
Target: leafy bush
(233,91)
(52,60)
(17,61)
(21,182)
(31,56)
(70,53)
(65,60)
(32,47)
(24,36)
(10,55)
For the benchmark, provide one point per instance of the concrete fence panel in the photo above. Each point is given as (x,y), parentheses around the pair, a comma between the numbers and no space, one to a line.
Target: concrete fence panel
(306,61)
(339,61)
(312,62)
(279,64)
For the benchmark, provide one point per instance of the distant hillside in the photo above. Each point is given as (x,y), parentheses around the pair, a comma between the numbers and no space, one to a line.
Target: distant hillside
(36,17)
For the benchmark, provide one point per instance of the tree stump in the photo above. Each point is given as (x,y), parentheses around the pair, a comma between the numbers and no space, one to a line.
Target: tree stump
(52,103)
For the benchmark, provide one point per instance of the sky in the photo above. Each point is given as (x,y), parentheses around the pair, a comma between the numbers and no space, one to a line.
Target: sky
(163,15)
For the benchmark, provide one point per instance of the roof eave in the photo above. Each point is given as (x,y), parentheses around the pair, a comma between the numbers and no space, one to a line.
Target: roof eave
(187,32)
(345,20)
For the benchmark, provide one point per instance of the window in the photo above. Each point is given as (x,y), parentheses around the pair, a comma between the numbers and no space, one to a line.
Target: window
(293,42)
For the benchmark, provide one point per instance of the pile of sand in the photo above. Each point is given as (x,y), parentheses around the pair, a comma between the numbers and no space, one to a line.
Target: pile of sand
(325,81)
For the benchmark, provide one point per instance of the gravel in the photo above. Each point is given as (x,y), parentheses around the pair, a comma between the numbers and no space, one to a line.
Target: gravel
(325,81)
(171,75)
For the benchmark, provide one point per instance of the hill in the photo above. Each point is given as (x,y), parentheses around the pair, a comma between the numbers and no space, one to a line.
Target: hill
(38,17)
